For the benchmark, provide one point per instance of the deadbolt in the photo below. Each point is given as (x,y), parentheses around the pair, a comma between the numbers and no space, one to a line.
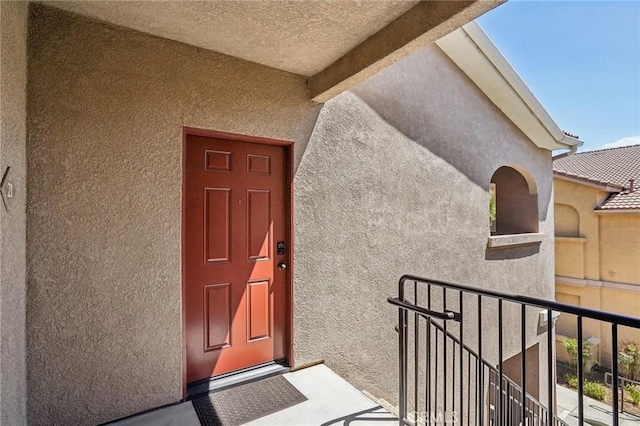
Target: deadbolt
(282,266)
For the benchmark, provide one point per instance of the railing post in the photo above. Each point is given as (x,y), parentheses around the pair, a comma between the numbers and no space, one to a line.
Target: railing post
(416,351)
(444,350)
(614,362)
(523,363)
(580,375)
(550,366)
(461,310)
(480,377)
(427,399)
(402,352)
(500,401)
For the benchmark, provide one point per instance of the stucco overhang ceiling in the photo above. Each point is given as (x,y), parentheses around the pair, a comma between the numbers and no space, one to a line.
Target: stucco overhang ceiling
(336,43)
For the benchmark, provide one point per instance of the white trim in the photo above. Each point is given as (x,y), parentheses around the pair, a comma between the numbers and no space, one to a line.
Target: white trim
(504,241)
(577,282)
(474,53)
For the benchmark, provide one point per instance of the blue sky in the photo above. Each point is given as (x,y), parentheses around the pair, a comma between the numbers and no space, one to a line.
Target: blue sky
(582,61)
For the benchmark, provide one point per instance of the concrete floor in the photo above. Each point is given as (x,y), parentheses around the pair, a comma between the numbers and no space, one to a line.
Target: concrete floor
(331,401)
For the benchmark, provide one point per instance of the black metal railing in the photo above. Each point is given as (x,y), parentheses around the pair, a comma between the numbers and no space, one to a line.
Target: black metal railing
(502,391)
(474,351)
(623,382)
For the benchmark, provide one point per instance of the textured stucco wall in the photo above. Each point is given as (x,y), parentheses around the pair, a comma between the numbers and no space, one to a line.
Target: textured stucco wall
(626,303)
(611,241)
(395,180)
(607,253)
(326,30)
(106,106)
(583,199)
(13,109)
(570,253)
(620,248)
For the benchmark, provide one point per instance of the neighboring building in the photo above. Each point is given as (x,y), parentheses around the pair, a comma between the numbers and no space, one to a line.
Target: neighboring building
(159,186)
(597,205)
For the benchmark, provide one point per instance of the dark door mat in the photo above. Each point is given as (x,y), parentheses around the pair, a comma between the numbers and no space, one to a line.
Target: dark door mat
(241,404)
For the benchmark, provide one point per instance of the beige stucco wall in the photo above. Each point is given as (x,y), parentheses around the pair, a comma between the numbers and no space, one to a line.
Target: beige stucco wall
(601,268)
(570,256)
(13,83)
(395,180)
(620,248)
(583,199)
(106,110)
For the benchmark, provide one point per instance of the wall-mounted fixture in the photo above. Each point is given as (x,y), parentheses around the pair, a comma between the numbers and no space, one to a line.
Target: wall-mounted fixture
(7,189)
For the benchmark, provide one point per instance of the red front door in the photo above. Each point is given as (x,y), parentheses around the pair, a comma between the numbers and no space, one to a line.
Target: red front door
(235,291)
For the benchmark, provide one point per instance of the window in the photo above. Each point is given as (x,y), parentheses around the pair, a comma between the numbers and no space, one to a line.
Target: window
(515,200)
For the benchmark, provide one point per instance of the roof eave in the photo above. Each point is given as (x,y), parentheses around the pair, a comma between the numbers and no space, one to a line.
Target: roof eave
(616,211)
(476,55)
(604,186)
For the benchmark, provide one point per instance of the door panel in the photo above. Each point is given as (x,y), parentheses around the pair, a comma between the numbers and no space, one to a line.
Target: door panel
(217,224)
(217,316)
(235,296)
(258,309)
(258,224)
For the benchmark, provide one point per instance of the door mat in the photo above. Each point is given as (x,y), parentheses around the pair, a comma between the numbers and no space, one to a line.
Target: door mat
(241,404)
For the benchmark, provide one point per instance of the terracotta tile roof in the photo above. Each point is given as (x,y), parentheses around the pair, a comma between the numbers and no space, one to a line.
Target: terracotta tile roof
(607,167)
(622,201)
(571,134)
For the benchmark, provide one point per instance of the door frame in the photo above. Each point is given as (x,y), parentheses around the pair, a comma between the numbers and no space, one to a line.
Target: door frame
(288,211)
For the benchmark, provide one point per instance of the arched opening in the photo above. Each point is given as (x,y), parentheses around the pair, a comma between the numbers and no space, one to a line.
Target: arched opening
(515,200)
(567,221)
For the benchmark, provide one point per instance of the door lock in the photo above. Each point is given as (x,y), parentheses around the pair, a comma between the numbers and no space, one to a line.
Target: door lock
(282,266)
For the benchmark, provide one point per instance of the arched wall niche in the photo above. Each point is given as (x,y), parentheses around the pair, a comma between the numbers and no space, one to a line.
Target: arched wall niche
(516,201)
(567,221)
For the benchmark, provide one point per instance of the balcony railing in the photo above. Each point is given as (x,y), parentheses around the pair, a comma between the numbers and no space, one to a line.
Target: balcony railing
(466,354)
(623,382)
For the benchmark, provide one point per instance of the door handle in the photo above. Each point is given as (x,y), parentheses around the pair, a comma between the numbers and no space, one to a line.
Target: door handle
(282,266)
